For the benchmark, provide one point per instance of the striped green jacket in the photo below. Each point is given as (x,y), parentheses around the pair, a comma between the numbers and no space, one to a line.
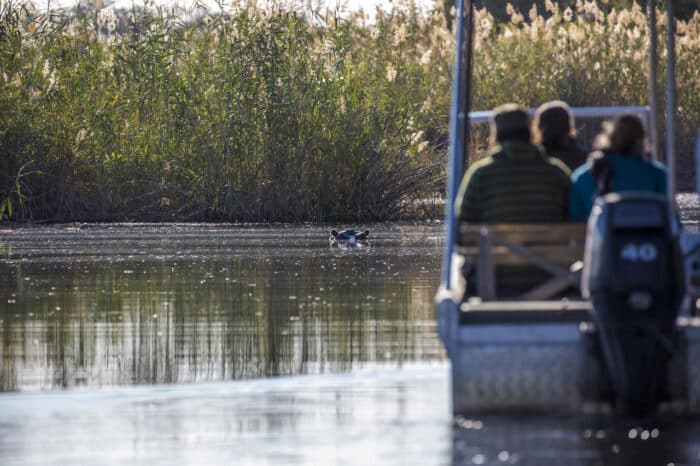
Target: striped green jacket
(515,183)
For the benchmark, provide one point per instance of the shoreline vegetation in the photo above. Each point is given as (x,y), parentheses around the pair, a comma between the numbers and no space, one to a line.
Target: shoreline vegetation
(283,114)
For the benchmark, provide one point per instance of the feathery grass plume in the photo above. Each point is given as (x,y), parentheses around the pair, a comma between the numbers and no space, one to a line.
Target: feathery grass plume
(252,113)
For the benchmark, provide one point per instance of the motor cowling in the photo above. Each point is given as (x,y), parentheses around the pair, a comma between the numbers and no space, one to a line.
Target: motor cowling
(633,276)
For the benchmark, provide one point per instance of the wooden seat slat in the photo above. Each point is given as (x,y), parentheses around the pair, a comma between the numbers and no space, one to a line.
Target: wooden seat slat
(556,229)
(539,260)
(501,255)
(554,233)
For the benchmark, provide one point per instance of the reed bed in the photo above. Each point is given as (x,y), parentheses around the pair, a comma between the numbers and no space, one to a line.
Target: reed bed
(282,113)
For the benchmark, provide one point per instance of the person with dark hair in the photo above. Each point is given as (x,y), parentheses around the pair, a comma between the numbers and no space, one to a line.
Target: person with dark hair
(516,182)
(622,166)
(554,129)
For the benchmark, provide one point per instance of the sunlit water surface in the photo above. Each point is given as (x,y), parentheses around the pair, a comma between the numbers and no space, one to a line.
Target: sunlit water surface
(120,305)
(210,344)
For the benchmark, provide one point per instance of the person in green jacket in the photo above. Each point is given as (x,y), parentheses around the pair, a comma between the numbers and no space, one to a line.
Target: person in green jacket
(622,166)
(516,182)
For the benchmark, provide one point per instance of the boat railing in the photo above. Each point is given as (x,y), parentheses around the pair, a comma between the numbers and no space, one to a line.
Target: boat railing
(643,112)
(524,262)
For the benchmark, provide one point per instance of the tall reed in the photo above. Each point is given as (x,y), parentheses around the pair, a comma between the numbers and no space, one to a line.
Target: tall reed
(277,113)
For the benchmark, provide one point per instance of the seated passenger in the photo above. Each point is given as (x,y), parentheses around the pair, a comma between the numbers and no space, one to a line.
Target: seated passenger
(623,166)
(553,128)
(516,182)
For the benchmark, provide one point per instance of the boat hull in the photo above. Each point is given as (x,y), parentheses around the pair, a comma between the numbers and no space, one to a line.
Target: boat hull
(545,360)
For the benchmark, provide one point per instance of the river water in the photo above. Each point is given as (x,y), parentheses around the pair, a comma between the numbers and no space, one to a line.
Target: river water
(223,344)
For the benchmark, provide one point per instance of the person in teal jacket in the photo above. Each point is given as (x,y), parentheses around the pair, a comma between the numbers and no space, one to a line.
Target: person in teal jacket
(623,166)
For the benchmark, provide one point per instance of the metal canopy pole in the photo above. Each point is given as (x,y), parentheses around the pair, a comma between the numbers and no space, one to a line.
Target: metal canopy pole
(697,164)
(670,101)
(653,93)
(458,123)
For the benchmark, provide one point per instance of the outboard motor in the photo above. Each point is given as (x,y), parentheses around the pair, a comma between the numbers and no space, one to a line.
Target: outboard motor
(633,276)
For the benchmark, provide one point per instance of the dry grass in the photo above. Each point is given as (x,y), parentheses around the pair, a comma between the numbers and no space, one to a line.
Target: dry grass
(281,114)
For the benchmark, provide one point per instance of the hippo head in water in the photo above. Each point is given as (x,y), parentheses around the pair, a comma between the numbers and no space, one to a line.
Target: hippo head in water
(349,238)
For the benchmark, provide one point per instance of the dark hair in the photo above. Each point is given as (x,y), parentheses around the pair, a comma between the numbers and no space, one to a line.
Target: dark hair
(553,124)
(627,135)
(519,134)
(510,121)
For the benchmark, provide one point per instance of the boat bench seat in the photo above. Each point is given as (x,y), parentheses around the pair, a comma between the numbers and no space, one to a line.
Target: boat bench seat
(521,261)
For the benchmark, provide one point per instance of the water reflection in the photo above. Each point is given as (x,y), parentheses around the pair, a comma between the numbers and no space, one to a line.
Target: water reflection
(122,305)
(689,210)
(114,305)
(384,416)
(575,441)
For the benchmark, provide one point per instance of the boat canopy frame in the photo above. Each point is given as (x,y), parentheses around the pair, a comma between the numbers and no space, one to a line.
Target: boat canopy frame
(460,115)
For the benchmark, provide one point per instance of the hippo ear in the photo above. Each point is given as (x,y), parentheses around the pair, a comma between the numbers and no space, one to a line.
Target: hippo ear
(366,232)
(334,233)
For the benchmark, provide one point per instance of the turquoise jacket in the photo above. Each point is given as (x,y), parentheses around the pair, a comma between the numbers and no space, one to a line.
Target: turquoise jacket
(629,173)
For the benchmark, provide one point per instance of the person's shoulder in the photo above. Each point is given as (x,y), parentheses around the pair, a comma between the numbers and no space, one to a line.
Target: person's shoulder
(650,166)
(581,172)
(559,166)
(482,164)
(660,175)
(657,166)
(477,169)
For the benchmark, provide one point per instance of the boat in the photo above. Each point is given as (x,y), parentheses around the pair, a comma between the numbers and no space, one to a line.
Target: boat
(596,317)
